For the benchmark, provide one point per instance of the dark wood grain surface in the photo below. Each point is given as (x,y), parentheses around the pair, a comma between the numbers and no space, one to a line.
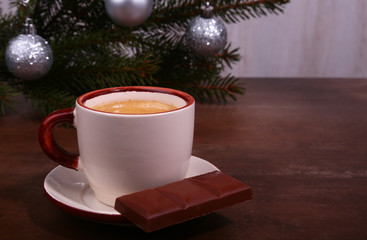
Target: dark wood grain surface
(301,144)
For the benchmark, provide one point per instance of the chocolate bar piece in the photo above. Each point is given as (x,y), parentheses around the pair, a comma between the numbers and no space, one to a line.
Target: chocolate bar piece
(176,202)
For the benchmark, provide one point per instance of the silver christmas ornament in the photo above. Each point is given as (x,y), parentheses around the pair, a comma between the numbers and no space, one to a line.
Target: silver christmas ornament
(206,35)
(28,56)
(128,13)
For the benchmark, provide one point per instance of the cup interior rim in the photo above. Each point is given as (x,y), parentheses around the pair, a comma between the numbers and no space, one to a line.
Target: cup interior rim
(185,96)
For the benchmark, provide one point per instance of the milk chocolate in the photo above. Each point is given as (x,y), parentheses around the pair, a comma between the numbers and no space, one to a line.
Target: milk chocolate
(177,202)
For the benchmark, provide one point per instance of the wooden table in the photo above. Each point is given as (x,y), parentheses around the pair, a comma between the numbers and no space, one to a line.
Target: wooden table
(301,144)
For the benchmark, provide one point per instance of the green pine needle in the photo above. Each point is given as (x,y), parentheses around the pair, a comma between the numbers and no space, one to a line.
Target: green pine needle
(91,52)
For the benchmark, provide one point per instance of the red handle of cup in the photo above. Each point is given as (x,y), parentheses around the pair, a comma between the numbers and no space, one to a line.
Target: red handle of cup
(47,140)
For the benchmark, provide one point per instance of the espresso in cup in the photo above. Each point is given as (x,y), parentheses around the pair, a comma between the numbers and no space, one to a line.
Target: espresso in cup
(135,107)
(123,153)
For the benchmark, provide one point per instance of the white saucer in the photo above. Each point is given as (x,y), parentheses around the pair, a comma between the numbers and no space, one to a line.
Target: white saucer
(69,190)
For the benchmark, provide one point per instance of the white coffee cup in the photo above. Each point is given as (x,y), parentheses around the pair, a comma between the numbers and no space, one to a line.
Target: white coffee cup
(125,153)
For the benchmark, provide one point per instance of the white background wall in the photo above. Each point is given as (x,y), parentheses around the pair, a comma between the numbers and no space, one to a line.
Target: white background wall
(313,38)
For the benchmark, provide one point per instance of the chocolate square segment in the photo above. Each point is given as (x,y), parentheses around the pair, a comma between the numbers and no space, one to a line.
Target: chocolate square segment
(176,202)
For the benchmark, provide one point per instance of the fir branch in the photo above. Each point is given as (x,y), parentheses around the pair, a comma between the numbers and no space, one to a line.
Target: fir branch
(6,94)
(46,99)
(91,52)
(217,89)
(229,56)
(71,16)
(93,40)
(229,10)
(114,71)
(83,75)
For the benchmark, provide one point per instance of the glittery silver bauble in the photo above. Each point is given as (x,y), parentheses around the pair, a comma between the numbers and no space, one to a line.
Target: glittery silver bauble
(128,13)
(28,56)
(205,34)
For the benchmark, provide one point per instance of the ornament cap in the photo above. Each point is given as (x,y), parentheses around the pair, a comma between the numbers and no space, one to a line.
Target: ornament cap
(207,11)
(28,27)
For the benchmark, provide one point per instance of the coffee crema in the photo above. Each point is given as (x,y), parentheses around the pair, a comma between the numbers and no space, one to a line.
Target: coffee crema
(135,107)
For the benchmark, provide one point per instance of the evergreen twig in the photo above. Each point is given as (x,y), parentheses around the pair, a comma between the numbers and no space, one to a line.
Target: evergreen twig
(91,52)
